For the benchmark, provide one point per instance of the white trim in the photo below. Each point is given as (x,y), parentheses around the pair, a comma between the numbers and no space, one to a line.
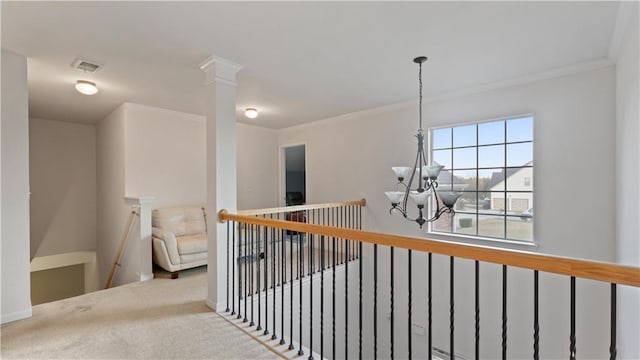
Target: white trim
(210,303)
(142,200)
(483,241)
(19,315)
(146,277)
(544,75)
(60,260)
(361,113)
(220,70)
(620,28)
(526,79)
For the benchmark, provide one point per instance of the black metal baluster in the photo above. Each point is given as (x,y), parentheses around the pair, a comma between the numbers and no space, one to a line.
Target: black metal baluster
(360,303)
(504,312)
(346,301)
(375,301)
(233,268)
(266,281)
(273,278)
(572,337)
(536,323)
(311,298)
(283,281)
(612,348)
(391,315)
(301,271)
(477,291)
(301,242)
(252,273)
(333,300)
(291,347)
(451,309)
(410,305)
(258,275)
(246,272)
(322,258)
(429,310)
(240,265)
(309,267)
(227,309)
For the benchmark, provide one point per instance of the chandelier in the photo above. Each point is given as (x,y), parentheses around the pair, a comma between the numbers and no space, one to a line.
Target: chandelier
(426,180)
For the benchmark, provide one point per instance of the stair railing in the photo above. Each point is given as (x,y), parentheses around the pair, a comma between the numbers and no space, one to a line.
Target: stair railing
(255,232)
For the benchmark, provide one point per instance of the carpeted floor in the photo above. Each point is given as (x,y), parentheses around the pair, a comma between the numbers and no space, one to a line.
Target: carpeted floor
(158,319)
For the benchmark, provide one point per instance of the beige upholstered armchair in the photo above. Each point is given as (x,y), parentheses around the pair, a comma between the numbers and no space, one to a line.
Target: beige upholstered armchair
(179,238)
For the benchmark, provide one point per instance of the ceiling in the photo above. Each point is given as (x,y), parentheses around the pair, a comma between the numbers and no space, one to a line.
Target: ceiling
(302,61)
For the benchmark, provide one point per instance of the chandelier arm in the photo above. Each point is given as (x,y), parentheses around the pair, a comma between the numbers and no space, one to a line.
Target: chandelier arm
(439,212)
(405,215)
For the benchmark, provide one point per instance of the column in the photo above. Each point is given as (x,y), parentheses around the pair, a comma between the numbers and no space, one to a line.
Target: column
(220,102)
(142,236)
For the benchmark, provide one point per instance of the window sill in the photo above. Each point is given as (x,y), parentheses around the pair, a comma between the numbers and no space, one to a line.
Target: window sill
(484,241)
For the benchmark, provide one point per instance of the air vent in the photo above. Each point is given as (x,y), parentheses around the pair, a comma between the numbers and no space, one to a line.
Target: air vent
(86,66)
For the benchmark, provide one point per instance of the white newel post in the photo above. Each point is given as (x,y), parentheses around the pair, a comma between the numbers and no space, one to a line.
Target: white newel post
(221,168)
(142,236)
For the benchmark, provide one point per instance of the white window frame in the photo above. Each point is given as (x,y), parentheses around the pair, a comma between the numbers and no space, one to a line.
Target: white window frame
(484,238)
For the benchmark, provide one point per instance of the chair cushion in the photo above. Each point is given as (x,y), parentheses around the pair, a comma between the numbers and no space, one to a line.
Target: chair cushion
(184,220)
(192,244)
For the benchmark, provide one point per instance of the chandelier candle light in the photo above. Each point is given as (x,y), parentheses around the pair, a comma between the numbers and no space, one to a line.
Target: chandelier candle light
(427,183)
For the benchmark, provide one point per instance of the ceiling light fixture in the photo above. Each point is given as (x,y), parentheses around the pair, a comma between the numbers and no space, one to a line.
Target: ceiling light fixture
(86,87)
(427,183)
(251,113)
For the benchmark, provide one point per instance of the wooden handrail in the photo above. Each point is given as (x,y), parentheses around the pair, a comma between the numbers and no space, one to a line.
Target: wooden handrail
(361,202)
(594,270)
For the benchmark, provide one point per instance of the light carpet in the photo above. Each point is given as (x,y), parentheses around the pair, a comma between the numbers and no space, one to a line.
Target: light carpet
(158,319)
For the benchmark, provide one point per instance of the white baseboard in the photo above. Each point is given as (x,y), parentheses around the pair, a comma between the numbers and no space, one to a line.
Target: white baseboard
(19,315)
(146,277)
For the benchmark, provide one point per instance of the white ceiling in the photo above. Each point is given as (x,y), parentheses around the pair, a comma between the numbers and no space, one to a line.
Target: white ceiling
(303,61)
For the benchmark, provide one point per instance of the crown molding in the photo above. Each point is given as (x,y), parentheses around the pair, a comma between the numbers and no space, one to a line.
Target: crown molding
(527,79)
(625,11)
(544,75)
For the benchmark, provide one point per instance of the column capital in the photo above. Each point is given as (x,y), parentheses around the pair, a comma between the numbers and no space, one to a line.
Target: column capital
(220,69)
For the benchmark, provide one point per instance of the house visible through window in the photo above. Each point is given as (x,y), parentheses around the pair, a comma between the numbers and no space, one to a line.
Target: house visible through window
(491,164)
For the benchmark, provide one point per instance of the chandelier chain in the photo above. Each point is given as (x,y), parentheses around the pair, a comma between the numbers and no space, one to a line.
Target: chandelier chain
(420,82)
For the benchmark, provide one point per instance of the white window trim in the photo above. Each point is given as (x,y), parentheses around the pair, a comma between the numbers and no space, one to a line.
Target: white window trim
(477,239)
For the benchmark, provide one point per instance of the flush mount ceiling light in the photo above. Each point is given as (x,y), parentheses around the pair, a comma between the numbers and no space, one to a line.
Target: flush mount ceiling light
(86,87)
(251,113)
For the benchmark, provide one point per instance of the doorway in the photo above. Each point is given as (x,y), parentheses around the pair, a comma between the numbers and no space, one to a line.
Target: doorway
(294,189)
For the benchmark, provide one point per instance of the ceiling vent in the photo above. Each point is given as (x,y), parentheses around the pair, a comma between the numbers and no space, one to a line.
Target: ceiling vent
(86,66)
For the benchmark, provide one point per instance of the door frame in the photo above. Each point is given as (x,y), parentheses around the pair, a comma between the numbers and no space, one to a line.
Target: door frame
(282,173)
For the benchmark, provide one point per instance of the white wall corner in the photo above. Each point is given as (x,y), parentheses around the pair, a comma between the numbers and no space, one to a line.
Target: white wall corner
(625,10)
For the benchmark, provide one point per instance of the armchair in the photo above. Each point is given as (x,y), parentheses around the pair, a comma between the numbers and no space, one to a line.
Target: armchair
(179,238)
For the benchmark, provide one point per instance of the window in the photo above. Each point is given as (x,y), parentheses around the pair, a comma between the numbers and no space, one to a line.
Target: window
(491,164)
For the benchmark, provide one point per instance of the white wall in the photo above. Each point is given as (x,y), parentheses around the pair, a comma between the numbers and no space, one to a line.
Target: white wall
(62,166)
(628,180)
(350,157)
(165,156)
(16,299)
(257,167)
(112,210)
(145,151)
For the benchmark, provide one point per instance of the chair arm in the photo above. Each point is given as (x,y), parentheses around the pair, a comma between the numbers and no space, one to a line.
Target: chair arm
(170,242)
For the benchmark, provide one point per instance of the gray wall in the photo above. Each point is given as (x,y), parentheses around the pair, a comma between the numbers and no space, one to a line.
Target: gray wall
(62,165)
